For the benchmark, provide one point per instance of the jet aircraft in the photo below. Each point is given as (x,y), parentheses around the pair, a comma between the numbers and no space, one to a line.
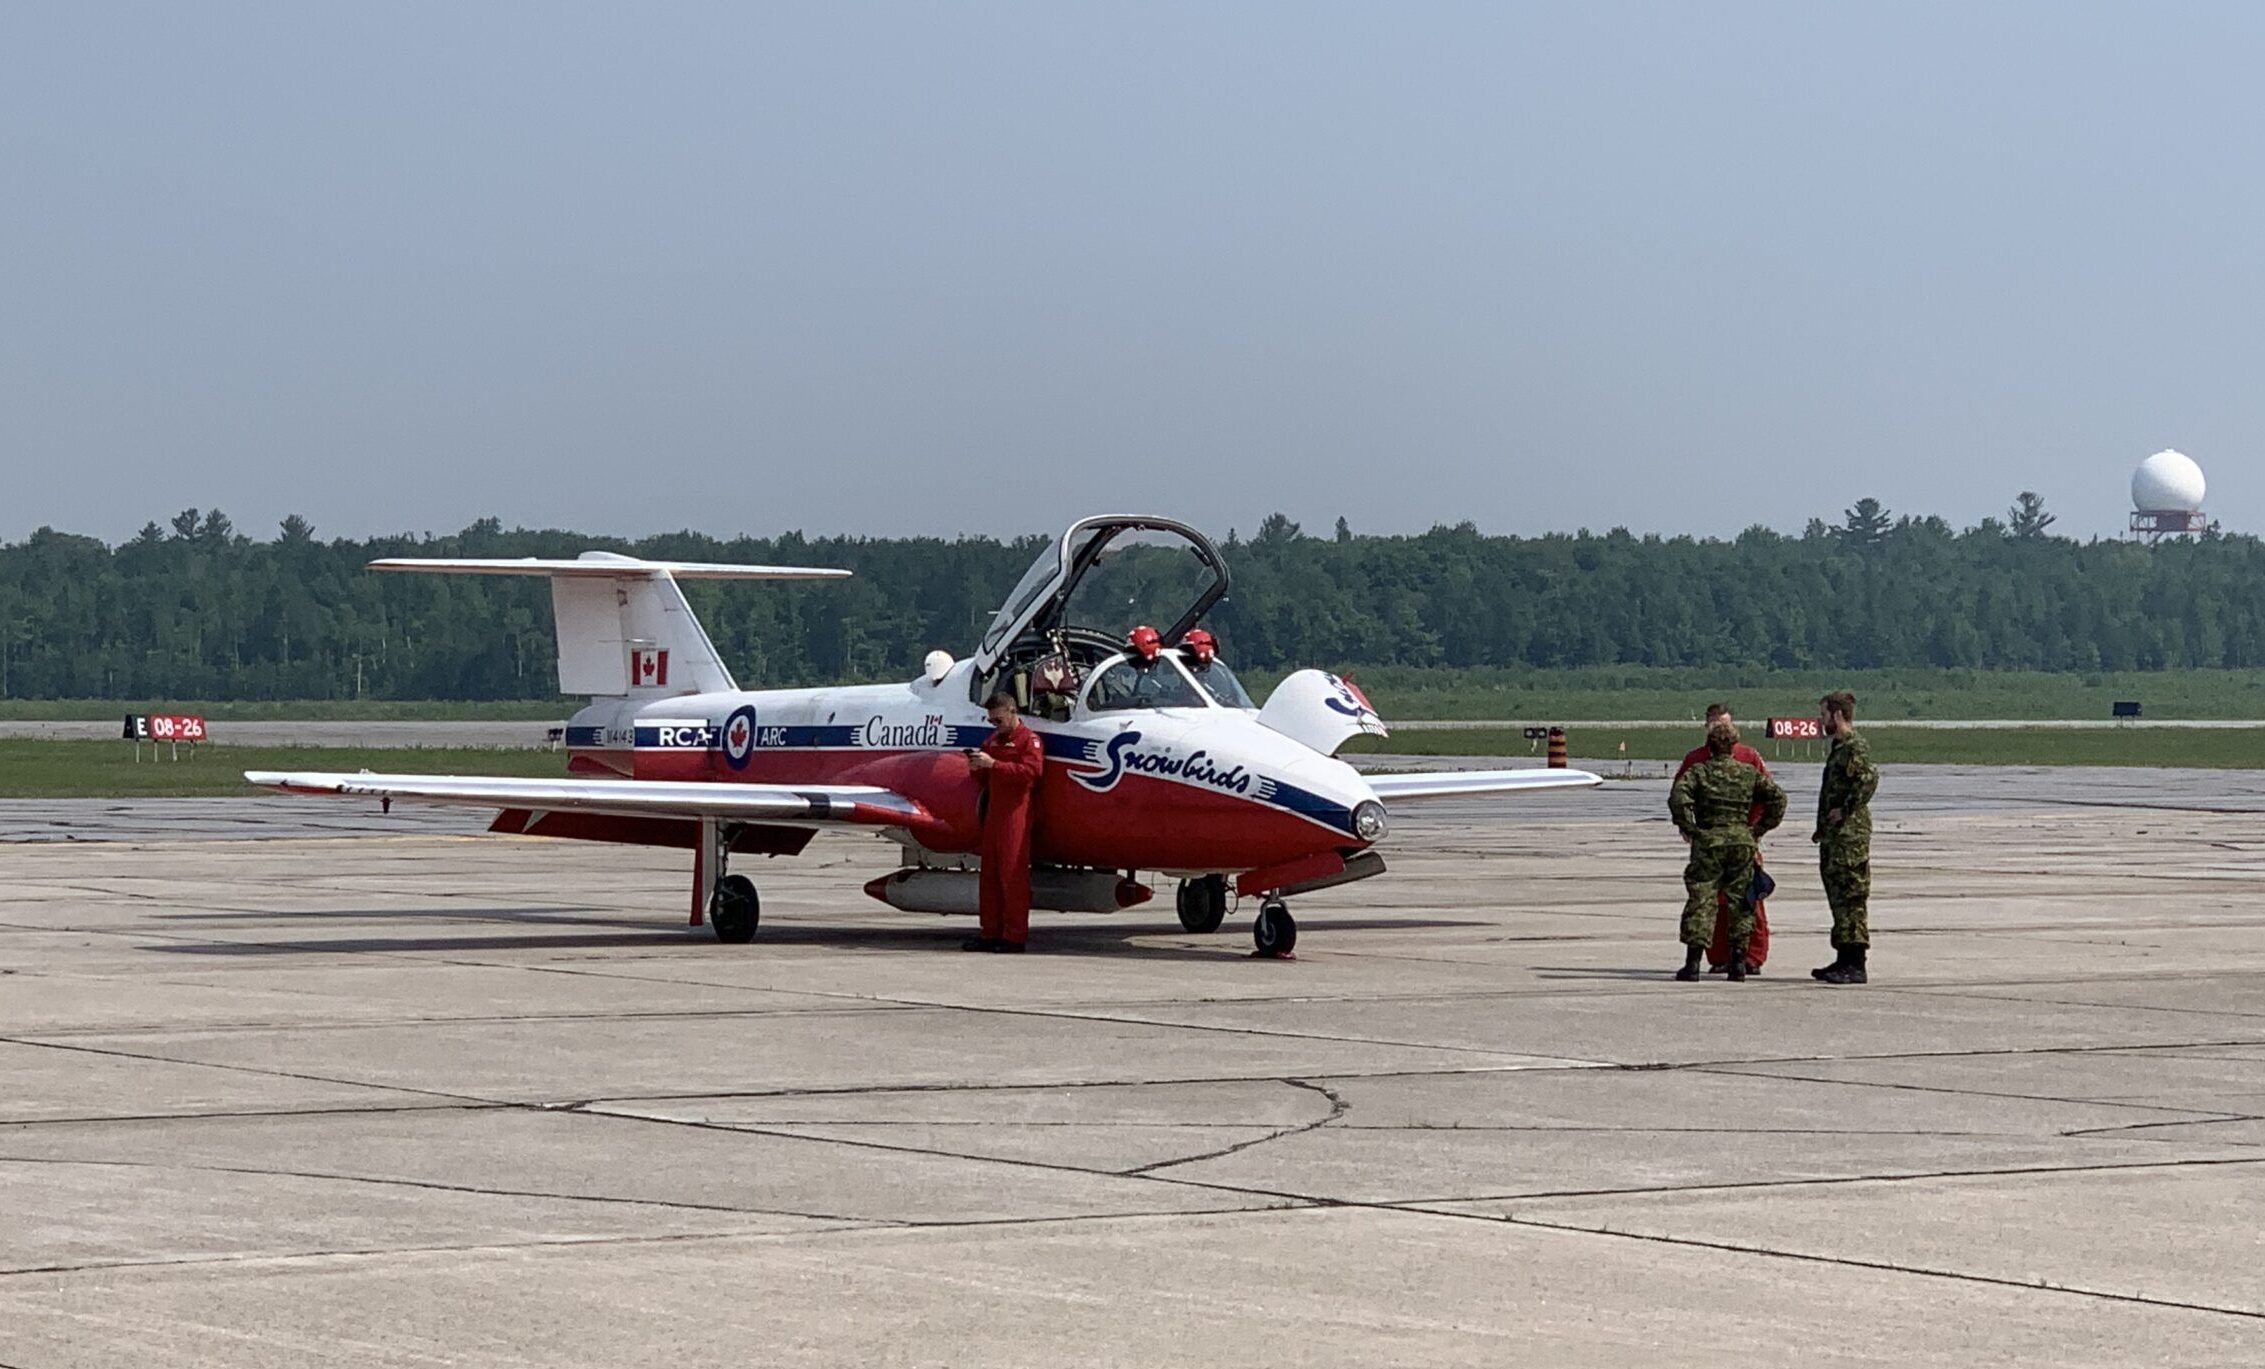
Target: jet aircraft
(1162,766)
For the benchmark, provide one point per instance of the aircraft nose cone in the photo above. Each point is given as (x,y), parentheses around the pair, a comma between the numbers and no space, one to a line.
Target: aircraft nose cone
(1370,821)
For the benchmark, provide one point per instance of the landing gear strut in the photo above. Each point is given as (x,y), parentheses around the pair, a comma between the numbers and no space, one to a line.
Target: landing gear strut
(1275,932)
(1203,903)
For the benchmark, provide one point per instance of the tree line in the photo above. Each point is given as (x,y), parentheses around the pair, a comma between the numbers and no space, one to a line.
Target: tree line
(196,609)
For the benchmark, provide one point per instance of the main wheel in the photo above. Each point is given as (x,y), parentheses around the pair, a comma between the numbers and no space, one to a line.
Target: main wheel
(734,909)
(1203,903)
(1276,932)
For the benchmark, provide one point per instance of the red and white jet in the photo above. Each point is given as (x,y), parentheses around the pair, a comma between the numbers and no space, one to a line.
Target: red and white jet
(1164,767)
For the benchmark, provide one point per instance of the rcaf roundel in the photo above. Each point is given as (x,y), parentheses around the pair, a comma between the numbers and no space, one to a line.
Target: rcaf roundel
(739,737)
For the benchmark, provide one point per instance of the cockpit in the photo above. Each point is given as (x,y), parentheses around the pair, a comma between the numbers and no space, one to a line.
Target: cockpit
(1058,641)
(1216,680)
(1128,682)
(1175,679)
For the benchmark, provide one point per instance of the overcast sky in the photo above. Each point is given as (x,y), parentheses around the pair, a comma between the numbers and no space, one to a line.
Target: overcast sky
(948,268)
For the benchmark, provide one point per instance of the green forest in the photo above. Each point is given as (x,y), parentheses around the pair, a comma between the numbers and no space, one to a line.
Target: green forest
(195,609)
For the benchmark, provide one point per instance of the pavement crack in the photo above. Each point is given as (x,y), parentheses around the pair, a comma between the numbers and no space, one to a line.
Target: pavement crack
(1338,1107)
(469,1020)
(1015,1162)
(1853,1262)
(1987,997)
(1835,1180)
(146,1058)
(2195,1113)
(1977,1053)
(371,1252)
(385,1181)
(1048,1086)
(234,1114)
(847,1228)
(2093,1133)
(1113,1019)
(1578,1129)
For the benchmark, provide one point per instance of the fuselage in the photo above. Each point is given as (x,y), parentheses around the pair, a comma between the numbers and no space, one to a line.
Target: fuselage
(1168,789)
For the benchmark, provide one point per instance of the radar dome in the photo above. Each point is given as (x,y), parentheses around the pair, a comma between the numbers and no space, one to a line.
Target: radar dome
(2167,482)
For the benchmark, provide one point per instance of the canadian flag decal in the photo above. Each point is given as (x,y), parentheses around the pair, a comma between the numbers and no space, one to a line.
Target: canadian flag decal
(648,668)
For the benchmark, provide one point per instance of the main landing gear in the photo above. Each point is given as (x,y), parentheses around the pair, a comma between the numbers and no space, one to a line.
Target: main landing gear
(734,909)
(1203,903)
(1275,932)
(731,904)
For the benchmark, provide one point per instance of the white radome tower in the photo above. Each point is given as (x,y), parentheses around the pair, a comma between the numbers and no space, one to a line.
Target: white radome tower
(2166,496)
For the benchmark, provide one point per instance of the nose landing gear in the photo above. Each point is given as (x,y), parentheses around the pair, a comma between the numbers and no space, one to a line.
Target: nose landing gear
(1275,932)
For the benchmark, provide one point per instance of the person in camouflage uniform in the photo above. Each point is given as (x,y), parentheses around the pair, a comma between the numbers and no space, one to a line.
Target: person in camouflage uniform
(1711,804)
(1844,839)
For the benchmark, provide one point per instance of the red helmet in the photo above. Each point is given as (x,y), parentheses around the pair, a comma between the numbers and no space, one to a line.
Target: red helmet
(1144,642)
(1200,644)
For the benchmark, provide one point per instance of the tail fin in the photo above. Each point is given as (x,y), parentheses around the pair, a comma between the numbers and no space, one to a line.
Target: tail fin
(623,625)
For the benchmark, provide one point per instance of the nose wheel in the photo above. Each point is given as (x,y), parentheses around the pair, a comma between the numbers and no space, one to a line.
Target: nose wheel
(734,909)
(1275,932)
(1203,903)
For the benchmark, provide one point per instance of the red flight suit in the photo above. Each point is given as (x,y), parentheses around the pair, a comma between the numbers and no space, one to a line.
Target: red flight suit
(1009,803)
(1758,945)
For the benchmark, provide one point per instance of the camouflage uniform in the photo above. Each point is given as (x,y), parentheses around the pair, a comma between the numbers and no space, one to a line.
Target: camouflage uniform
(1844,852)
(1711,804)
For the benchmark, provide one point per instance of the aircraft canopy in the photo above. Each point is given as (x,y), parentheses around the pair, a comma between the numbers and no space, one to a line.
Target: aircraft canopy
(1123,566)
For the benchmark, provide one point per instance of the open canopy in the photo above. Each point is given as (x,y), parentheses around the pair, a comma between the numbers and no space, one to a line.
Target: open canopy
(1047,597)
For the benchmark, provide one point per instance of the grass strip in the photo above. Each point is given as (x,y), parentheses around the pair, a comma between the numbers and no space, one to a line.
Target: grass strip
(2216,748)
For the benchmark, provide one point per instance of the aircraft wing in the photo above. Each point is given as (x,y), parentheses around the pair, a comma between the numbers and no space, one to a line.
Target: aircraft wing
(1416,786)
(803,805)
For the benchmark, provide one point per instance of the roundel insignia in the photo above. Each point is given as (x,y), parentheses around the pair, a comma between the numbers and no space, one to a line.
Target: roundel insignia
(739,737)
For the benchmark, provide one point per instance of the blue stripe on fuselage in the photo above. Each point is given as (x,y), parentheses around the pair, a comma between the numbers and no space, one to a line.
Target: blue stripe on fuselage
(1305,803)
(772,737)
(1063,747)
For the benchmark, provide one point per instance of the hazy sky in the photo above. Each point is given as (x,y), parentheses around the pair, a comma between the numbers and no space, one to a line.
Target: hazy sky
(943,268)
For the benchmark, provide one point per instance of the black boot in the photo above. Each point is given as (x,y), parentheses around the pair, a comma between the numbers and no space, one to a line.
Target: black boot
(980,943)
(1737,969)
(1850,971)
(1690,970)
(1839,963)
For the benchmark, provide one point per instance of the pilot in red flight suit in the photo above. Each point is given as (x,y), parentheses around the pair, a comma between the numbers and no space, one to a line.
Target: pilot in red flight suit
(1008,767)
(1757,945)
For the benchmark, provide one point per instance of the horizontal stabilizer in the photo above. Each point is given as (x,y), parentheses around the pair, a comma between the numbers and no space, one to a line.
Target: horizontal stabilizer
(817,805)
(604,565)
(1419,785)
